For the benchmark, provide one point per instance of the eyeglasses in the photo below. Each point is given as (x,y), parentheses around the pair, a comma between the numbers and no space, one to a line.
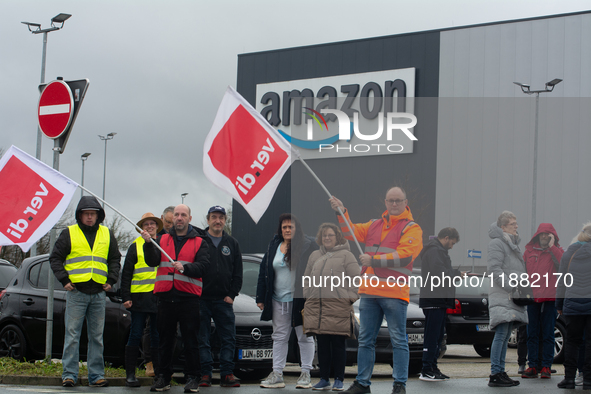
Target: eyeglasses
(397,202)
(146,224)
(328,235)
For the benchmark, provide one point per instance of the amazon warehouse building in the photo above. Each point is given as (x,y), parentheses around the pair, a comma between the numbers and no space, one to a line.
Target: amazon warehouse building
(438,113)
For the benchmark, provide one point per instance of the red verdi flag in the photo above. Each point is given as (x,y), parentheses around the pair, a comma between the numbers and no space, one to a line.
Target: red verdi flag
(244,155)
(33,197)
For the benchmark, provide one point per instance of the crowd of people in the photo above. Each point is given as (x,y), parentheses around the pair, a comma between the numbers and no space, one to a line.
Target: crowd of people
(178,275)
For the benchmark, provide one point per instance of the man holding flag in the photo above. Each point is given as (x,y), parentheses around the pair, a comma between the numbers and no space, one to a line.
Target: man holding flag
(86,260)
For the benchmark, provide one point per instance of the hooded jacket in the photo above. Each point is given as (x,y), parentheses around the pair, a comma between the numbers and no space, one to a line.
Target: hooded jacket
(196,269)
(436,262)
(504,259)
(63,247)
(329,308)
(541,264)
(573,294)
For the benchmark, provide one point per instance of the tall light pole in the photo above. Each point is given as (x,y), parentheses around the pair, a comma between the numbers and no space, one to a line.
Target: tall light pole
(525,88)
(107,138)
(83,159)
(183,197)
(35,28)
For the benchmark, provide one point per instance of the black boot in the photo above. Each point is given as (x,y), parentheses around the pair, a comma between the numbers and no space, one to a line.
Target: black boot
(131,355)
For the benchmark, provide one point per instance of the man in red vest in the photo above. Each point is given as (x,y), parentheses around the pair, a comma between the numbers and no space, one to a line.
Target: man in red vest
(178,285)
(391,245)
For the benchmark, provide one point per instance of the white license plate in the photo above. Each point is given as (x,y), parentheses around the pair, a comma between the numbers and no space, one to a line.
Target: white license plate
(482,327)
(415,338)
(255,354)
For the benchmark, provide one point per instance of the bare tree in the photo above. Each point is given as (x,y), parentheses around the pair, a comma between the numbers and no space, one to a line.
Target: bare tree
(124,238)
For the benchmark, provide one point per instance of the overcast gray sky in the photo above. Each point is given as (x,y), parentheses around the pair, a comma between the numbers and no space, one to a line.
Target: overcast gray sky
(158,70)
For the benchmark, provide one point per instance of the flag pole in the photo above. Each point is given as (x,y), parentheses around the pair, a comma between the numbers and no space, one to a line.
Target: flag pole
(297,153)
(124,217)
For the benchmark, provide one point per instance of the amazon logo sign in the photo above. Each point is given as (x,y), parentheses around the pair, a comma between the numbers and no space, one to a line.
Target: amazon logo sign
(342,116)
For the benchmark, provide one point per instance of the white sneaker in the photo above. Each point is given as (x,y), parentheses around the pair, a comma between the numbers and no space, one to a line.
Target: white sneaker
(304,381)
(274,381)
(579,379)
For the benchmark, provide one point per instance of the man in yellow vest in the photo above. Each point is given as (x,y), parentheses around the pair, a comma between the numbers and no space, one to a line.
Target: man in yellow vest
(86,260)
(137,292)
(392,243)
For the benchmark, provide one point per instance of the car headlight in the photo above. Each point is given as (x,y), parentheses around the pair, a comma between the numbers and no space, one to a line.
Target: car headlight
(384,323)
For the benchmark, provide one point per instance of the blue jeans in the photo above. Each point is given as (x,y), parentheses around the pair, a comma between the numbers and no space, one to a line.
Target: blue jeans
(224,319)
(498,349)
(541,314)
(371,313)
(136,331)
(81,306)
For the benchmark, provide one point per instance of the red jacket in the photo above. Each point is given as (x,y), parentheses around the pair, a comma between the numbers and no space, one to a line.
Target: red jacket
(541,264)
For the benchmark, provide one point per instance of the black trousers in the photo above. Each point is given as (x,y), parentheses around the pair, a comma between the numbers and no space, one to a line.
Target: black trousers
(576,327)
(332,354)
(434,332)
(186,315)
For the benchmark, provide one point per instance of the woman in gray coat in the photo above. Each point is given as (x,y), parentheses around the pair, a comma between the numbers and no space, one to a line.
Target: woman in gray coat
(506,265)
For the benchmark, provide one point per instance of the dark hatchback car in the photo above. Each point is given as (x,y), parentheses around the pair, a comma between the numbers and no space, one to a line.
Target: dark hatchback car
(23,316)
(7,271)
(23,306)
(467,323)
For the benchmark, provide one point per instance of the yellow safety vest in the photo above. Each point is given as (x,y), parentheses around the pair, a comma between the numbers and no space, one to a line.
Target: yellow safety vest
(144,276)
(84,264)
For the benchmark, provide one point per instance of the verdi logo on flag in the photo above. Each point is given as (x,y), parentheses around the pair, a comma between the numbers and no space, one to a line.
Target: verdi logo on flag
(244,155)
(33,197)
(254,157)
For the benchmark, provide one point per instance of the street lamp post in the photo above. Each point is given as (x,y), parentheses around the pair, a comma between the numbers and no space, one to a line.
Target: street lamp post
(183,197)
(35,28)
(106,138)
(525,88)
(83,159)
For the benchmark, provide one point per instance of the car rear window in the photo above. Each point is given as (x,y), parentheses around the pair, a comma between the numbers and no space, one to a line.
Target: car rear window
(6,274)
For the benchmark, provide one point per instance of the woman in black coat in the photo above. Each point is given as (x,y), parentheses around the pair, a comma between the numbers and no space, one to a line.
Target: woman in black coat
(280,297)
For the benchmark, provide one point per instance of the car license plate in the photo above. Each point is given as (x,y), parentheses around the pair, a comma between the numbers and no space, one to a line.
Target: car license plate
(255,354)
(415,338)
(482,327)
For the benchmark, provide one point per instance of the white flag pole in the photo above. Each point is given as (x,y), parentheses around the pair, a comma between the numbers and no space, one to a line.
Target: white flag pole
(297,153)
(124,217)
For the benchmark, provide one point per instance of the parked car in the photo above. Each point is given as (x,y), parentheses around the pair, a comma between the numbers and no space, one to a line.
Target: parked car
(23,317)
(7,271)
(23,309)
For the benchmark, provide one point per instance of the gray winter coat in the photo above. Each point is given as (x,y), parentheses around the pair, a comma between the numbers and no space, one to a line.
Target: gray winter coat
(504,258)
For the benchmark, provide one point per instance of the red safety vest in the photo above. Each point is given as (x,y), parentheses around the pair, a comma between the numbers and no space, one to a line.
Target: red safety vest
(375,246)
(167,277)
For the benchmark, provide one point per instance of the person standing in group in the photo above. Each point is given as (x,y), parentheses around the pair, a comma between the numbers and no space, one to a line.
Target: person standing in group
(167,218)
(573,300)
(504,259)
(137,292)
(435,299)
(280,297)
(392,243)
(328,312)
(221,284)
(178,286)
(86,261)
(542,260)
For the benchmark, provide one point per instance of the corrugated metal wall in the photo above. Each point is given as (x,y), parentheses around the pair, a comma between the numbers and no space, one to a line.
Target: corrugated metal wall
(486,128)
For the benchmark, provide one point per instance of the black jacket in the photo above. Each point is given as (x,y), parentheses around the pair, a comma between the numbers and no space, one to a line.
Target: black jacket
(146,302)
(224,275)
(267,278)
(63,247)
(196,269)
(436,262)
(572,293)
